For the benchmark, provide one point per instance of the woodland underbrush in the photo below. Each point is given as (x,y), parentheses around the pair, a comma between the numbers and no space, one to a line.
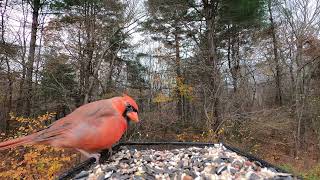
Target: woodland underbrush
(268,134)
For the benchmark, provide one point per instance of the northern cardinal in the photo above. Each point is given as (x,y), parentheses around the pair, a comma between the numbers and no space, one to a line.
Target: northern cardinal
(88,129)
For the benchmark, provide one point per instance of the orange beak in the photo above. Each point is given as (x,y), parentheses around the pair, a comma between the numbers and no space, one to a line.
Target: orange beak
(133,116)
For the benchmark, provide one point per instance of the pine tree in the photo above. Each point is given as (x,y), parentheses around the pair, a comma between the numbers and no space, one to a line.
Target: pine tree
(167,21)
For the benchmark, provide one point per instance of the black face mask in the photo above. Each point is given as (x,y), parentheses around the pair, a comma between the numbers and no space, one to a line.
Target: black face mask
(128,109)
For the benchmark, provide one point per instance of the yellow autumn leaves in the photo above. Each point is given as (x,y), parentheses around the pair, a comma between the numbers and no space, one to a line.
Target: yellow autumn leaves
(184,90)
(33,162)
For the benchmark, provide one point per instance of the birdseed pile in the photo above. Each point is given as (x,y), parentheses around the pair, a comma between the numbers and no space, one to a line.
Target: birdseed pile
(214,162)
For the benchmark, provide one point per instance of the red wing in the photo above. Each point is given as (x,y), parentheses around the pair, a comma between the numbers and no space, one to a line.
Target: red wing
(91,109)
(55,131)
(68,124)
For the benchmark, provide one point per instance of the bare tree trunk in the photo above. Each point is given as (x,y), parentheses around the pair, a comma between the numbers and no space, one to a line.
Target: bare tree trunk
(10,86)
(232,60)
(299,101)
(89,65)
(79,100)
(39,55)
(229,50)
(235,61)
(292,79)
(20,101)
(276,57)
(179,78)
(95,74)
(8,95)
(109,77)
(210,10)
(31,55)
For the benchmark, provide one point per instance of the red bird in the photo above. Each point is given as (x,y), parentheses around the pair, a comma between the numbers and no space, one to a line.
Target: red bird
(90,128)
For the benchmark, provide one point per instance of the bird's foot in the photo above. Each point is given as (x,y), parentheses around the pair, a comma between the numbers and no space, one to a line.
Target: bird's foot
(96,156)
(110,152)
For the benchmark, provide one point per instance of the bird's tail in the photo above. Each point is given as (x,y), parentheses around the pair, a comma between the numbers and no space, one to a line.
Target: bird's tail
(17,142)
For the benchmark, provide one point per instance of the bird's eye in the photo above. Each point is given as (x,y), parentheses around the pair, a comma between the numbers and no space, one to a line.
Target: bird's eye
(130,108)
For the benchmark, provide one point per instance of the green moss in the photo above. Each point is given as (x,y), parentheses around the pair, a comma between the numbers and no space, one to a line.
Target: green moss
(312,174)
(287,167)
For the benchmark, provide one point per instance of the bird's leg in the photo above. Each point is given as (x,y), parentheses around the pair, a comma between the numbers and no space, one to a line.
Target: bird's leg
(110,152)
(96,156)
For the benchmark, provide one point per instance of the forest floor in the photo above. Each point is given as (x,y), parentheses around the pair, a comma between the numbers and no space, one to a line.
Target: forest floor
(306,163)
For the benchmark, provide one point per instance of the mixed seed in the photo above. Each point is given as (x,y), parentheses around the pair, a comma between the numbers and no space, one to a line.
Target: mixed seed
(214,162)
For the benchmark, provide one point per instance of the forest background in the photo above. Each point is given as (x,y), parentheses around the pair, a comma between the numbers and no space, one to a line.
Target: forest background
(243,72)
